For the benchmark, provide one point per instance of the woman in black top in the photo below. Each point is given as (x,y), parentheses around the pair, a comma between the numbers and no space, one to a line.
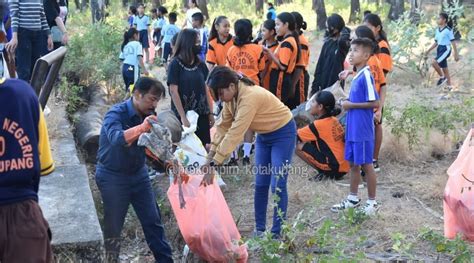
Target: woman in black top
(186,80)
(55,23)
(331,60)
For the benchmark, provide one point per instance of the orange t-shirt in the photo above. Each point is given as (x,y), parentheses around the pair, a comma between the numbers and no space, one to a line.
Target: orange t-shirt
(217,51)
(324,146)
(286,52)
(248,60)
(377,72)
(266,78)
(304,57)
(385,57)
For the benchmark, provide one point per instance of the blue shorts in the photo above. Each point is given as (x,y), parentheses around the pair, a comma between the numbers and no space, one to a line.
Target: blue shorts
(442,55)
(144,38)
(359,153)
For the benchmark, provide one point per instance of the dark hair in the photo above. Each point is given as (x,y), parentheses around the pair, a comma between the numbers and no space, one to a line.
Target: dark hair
(214,34)
(335,21)
(286,17)
(198,17)
(141,5)
(364,42)
(173,17)
(243,32)
(133,9)
(375,21)
(173,45)
(184,47)
(366,12)
(270,25)
(366,32)
(163,10)
(127,36)
(146,85)
(300,23)
(449,21)
(154,11)
(328,101)
(221,77)
(270,4)
(195,3)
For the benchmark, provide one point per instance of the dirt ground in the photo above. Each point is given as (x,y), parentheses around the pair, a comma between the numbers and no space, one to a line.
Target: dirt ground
(410,184)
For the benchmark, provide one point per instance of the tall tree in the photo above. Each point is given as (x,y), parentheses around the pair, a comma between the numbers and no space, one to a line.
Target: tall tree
(84,5)
(203,6)
(355,11)
(259,6)
(321,17)
(397,7)
(78,4)
(97,10)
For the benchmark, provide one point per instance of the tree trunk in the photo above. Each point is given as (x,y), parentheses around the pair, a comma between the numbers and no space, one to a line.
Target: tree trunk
(259,6)
(397,7)
(97,10)
(355,11)
(156,3)
(84,5)
(78,4)
(203,6)
(321,17)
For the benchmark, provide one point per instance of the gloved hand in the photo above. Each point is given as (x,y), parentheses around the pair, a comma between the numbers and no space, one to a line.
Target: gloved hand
(133,133)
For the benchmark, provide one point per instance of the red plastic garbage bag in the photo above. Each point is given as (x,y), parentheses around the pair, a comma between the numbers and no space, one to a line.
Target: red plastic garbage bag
(206,222)
(459,193)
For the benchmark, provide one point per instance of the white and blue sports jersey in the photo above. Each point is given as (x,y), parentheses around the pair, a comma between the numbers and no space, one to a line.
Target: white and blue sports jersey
(444,36)
(142,23)
(360,122)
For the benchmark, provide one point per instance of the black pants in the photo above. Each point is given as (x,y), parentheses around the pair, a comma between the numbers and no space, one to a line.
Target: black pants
(31,46)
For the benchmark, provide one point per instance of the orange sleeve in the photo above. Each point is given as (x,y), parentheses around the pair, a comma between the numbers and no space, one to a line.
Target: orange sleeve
(228,59)
(211,55)
(285,52)
(386,61)
(381,75)
(305,134)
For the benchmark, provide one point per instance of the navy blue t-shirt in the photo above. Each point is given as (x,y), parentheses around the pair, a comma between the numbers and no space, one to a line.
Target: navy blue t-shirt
(20,136)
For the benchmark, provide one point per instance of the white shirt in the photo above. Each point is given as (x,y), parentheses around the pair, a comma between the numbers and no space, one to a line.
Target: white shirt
(189,16)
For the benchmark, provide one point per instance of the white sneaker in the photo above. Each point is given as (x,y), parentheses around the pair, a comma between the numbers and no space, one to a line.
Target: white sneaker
(370,209)
(345,204)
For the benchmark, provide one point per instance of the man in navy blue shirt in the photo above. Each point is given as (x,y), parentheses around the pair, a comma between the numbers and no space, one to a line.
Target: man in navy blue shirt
(121,173)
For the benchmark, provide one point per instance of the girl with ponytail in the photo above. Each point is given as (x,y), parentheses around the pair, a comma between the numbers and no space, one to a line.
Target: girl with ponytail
(220,40)
(374,22)
(132,57)
(247,106)
(269,42)
(301,76)
(284,59)
(321,143)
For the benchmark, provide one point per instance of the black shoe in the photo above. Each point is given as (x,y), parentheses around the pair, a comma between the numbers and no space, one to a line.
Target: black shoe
(441,81)
(376,166)
(246,161)
(233,162)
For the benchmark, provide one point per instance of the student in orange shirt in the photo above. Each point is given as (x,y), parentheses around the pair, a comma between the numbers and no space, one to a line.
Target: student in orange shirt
(269,41)
(244,56)
(322,142)
(379,78)
(301,76)
(220,40)
(284,59)
(374,22)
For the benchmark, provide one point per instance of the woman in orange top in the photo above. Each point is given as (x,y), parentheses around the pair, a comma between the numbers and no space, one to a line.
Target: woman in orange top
(284,59)
(374,22)
(301,76)
(269,41)
(322,142)
(220,40)
(244,56)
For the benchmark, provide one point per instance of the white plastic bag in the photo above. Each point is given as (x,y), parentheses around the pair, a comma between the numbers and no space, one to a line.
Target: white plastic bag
(190,152)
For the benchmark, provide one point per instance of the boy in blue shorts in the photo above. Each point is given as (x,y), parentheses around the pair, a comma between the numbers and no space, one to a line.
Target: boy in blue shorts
(360,137)
(167,34)
(142,23)
(444,38)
